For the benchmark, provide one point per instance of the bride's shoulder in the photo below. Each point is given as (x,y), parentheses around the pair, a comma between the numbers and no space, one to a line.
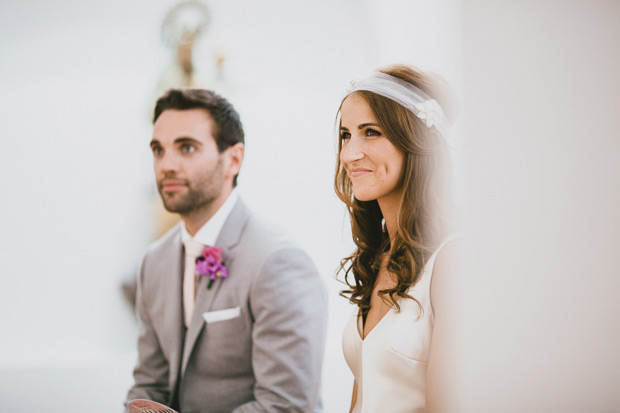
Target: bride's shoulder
(447,267)
(448,254)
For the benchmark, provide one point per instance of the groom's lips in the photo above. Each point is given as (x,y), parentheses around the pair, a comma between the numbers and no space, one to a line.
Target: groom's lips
(170,186)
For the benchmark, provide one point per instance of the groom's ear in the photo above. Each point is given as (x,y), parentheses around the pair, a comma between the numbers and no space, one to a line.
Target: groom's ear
(234,155)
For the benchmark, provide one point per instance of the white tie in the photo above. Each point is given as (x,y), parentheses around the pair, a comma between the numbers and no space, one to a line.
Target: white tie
(193,250)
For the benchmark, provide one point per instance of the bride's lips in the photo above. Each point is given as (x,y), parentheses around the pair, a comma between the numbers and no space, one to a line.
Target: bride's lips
(357,172)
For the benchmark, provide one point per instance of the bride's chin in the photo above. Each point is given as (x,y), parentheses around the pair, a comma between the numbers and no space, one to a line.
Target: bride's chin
(363,197)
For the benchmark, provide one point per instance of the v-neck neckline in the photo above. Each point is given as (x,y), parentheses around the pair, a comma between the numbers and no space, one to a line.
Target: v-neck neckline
(360,328)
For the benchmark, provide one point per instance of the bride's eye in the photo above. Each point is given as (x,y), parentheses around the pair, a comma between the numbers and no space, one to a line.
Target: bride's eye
(372,132)
(345,135)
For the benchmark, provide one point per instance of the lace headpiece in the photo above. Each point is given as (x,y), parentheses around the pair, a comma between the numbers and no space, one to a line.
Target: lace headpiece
(406,95)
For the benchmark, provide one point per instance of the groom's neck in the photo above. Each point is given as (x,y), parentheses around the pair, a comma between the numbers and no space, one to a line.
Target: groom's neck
(196,219)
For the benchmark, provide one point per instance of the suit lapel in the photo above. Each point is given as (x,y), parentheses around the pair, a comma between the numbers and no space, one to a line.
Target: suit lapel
(228,239)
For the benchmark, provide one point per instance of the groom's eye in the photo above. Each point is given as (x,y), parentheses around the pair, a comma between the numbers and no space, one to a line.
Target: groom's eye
(186,148)
(157,151)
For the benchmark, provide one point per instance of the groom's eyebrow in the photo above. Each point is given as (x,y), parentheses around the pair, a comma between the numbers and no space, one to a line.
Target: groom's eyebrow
(182,139)
(186,139)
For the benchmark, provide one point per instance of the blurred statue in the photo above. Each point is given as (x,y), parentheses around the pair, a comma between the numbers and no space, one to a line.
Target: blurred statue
(181,30)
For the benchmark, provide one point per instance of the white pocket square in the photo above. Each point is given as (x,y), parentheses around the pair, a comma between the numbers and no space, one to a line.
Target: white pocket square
(221,315)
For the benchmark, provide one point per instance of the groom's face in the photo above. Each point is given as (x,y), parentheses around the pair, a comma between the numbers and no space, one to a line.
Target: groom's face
(191,173)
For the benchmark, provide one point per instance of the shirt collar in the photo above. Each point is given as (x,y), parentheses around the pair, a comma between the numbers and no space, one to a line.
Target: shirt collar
(208,233)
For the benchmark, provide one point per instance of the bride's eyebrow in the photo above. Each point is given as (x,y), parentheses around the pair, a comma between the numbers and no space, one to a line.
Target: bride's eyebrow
(365,125)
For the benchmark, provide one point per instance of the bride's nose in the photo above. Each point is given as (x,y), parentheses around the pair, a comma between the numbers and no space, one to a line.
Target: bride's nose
(351,151)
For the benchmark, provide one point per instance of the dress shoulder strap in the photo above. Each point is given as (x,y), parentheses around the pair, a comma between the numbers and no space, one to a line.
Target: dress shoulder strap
(431,261)
(425,281)
(430,265)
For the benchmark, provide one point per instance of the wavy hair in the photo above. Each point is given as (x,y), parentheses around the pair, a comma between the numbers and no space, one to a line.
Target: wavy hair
(424,207)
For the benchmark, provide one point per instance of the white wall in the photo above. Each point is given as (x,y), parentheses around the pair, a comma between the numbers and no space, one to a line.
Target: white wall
(540,312)
(76,81)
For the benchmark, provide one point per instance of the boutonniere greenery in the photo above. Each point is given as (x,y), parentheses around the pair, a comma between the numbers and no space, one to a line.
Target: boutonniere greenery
(210,264)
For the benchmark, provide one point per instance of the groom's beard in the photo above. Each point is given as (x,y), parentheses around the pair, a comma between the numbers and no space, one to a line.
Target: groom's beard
(199,193)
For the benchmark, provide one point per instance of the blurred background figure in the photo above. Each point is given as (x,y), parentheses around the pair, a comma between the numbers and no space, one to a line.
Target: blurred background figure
(181,29)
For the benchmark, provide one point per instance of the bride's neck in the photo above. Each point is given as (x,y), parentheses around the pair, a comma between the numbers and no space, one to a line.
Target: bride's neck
(389,210)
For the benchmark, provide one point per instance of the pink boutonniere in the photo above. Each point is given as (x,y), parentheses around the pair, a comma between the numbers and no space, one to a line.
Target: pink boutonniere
(211,265)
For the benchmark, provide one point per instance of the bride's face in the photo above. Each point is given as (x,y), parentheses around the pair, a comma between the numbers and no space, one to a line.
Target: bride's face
(373,164)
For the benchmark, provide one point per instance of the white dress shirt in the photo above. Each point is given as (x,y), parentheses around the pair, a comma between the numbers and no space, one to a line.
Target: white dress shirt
(206,235)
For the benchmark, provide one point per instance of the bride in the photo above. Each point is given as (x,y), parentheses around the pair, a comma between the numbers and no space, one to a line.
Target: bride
(392,174)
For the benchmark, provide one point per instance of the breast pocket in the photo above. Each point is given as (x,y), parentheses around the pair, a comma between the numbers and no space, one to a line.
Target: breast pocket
(216,316)
(227,328)
(226,343)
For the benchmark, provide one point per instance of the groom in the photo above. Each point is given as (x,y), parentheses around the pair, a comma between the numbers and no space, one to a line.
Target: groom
(244,329)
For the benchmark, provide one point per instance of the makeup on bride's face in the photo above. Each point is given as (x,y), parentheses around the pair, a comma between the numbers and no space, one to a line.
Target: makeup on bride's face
(372,162)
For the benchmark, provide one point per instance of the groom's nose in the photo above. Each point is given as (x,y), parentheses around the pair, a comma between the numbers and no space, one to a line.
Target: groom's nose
(168,162)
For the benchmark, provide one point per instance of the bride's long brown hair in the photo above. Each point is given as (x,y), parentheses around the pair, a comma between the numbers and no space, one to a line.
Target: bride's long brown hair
(423,211)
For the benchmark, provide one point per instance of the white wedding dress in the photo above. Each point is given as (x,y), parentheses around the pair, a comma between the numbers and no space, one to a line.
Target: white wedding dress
(389,365)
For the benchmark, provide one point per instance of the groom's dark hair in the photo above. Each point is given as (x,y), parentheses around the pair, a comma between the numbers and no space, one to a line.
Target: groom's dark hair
(228,129)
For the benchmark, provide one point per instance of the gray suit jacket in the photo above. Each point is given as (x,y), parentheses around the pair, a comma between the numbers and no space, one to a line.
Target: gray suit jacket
(266,359)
